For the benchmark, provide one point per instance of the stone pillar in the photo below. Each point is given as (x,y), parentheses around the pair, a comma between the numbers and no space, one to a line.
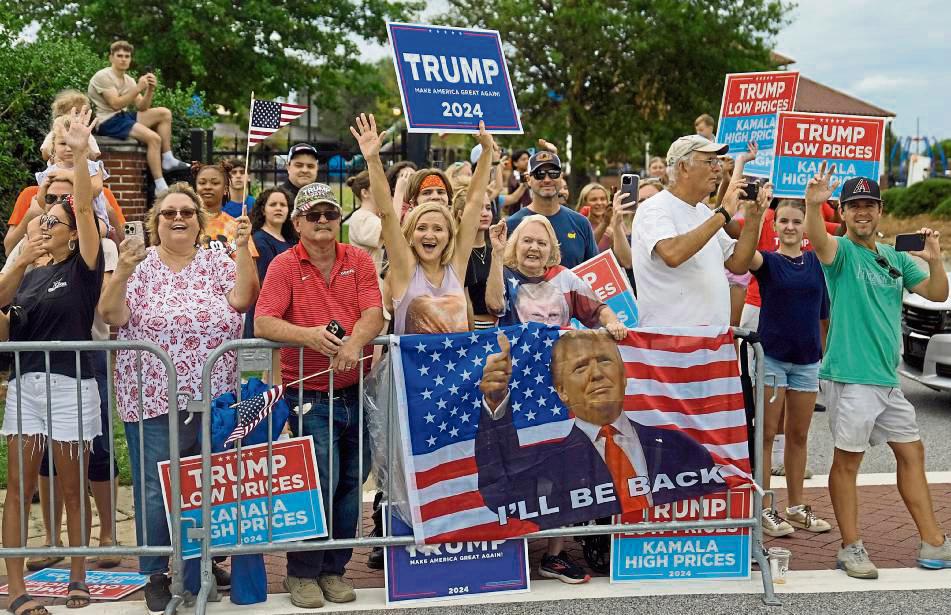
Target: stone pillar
(128,174)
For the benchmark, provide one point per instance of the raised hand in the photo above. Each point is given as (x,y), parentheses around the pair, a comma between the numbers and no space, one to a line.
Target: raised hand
(821,187)
(131,253)
(485,139)
(750,154)
(496,374)
(547,145)
(244,231)
(932,251)
(80,127)
(731,200)
(754,210)
(497,237)
(366,135)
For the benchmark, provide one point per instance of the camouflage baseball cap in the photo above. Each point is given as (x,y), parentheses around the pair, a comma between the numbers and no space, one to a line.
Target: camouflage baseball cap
(312,194)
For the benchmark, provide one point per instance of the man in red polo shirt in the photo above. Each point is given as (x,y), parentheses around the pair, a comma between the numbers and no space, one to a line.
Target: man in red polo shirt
(306,287)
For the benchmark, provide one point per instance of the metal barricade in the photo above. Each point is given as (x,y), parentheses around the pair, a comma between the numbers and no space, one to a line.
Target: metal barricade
(172,550)
(255,355)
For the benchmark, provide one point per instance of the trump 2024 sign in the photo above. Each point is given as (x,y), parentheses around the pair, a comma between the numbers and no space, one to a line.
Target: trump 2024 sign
(452,78)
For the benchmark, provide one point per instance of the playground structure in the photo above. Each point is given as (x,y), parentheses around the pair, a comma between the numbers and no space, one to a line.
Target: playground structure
(914,159)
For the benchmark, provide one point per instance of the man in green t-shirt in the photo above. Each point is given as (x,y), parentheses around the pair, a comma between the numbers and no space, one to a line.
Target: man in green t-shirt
(866,280)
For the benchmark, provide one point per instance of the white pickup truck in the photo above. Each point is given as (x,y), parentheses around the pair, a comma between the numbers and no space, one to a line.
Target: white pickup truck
(926,341)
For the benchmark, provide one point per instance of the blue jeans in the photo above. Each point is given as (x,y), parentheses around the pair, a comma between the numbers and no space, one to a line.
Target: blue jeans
(342,492)
(150,507)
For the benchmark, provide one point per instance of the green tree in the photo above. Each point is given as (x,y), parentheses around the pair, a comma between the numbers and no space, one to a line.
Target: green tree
(617,73)
(229,48)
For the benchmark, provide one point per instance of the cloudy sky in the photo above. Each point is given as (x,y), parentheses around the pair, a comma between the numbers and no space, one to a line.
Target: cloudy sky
(896,55)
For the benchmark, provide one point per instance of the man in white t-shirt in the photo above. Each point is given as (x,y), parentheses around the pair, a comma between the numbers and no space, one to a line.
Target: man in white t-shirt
(112,91)
(679,247)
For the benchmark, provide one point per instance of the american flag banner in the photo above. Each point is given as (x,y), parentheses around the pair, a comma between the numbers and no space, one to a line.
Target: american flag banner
(250,412)
(589,427)
(267,117)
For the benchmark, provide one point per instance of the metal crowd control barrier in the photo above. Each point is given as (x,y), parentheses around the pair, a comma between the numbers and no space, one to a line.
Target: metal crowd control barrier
(173,551)
(255,355)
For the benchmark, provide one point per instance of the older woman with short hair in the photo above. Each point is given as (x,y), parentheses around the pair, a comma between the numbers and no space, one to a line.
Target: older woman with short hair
(188,300)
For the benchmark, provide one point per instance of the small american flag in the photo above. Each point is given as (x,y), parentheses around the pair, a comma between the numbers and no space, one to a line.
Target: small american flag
(267,117)
(251,411)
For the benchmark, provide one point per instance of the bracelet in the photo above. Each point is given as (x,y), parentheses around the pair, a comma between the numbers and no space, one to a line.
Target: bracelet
(726,215)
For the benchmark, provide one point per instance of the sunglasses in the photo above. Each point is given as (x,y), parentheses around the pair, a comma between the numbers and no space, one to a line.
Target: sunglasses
(171,214)
(884,264)
(330,215)
(551,173)
(53,199)
(47,222)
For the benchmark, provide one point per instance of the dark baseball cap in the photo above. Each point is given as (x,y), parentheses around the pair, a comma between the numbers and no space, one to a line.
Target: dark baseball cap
(301,148)
(860,188)
(542,158)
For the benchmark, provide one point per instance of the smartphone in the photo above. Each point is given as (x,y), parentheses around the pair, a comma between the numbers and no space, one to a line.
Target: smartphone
(752,189)
(337,329)
(909,242)
(629,186)
(134,229)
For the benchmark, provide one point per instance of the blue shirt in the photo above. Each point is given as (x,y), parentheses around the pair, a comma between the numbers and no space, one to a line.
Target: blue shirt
(573,231)
(795,299)
(268,247)
(233,208)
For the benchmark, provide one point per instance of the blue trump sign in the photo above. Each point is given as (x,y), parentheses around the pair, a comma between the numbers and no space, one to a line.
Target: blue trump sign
(451,78)
(453,569)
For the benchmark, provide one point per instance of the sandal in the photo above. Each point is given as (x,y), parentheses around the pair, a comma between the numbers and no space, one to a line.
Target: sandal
(15,606)
(77,601)
(43,561)
(107,561)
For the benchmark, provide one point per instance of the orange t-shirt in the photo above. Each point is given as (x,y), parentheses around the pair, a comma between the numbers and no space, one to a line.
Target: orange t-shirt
(26,196)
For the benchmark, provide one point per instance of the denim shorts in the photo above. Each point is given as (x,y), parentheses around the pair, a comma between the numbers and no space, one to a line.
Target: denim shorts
(791,375)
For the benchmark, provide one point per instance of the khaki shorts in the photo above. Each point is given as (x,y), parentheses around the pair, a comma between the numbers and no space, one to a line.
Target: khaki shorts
(865,415)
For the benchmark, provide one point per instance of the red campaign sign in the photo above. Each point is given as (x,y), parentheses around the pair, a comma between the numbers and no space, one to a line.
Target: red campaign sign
(103,585)
(710,508)
(758,93)
(823,136)
(292,470)
(604,275)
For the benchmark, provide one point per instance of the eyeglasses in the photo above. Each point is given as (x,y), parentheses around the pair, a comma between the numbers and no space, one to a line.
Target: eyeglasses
(329,214)
(171,214)
(53,199)
(551,173)
(47,222)
(710,162)
(884,264)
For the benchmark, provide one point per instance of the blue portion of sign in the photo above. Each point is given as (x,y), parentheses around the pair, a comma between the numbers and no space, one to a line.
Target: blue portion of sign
(455,569)
(791,174)
(625,307)
(737,132)
(292,518)
(701,556)
(450,78)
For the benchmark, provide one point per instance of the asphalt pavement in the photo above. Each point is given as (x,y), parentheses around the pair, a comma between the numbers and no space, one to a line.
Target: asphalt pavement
(934,421)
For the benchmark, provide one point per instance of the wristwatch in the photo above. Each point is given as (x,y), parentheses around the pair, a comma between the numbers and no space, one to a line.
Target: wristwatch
(726,214)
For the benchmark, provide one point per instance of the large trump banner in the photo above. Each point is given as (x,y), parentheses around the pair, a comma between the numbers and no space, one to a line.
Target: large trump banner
(451,78)
(748,113)
(530,427)
(804,140)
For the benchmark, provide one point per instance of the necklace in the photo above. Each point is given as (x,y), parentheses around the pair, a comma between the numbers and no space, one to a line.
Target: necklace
(795,260)
(481,256)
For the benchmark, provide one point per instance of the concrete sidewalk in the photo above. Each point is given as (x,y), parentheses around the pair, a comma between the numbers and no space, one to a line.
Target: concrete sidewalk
(888,532)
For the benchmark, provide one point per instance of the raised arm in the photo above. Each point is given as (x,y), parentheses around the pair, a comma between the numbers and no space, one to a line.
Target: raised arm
(475,197)
(620,242)
(112,304)
(745,255)
(118,103)
(247,284)
(736,173)
(495,285)
(77,138)
(399,254)
(818,191)
(144,101)
(935,288)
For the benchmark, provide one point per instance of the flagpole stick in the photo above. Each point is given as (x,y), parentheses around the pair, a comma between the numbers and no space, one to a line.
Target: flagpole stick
(314,375)
(247,160)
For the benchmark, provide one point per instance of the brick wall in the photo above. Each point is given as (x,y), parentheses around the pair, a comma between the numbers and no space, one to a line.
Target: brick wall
(125,162)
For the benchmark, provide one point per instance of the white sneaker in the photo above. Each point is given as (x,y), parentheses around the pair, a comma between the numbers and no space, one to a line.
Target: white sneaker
(774,525)
(802,517)
(854,560)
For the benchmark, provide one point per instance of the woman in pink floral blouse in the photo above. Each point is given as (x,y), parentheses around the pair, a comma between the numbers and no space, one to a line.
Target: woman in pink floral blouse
(187,300)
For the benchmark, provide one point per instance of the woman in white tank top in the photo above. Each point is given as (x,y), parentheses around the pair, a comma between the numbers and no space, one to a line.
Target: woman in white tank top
(429,257)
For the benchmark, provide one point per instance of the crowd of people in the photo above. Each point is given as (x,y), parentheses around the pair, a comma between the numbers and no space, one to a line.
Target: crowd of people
(489,241)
